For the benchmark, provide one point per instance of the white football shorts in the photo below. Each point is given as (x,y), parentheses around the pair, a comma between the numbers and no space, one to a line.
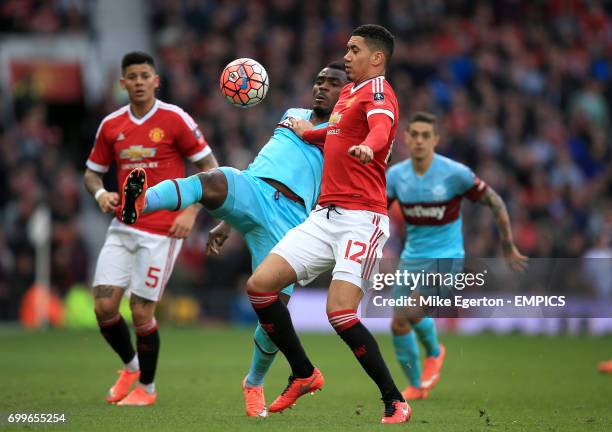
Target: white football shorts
(348,241)
(137,261)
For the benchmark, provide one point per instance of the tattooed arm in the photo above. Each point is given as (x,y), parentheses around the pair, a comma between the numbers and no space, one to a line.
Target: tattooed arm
(516,261)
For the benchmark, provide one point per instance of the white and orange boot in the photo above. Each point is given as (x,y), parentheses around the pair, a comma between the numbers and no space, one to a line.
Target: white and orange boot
(396,412)
(254,400)
(139,397)
(431,369)
(122,386)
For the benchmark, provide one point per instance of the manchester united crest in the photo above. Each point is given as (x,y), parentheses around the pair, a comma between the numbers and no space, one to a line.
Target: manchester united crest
(335,118)
(156,134)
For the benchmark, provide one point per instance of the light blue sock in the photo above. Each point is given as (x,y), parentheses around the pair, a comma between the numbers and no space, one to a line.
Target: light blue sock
(426,331)
(407,355)
(263,355)
(164,196)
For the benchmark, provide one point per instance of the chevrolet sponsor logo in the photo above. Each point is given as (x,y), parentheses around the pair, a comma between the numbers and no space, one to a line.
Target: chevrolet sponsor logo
(137,153)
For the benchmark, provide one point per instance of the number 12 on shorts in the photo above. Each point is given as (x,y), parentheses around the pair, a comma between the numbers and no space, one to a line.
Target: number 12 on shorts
(152,277)
(355,250)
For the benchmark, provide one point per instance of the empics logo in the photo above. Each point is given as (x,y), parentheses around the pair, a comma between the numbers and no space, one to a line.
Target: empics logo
(137,153)
(156,135)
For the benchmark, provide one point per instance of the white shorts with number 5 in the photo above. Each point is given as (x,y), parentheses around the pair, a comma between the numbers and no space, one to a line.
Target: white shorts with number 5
(136,260)
(349,241)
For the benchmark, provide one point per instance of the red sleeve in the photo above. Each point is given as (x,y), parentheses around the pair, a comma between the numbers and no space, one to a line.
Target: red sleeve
(380,128)
(189,139)
(477,191)
(380,99)
(101,156)
(315,137)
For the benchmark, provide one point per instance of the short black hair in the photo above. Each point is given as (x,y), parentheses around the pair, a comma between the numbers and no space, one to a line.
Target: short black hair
(424,117)
(377,38)
(136,57)
(336,64)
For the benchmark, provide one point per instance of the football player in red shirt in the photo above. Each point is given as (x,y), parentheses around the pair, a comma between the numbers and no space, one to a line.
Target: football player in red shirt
(151,134)
(348,229)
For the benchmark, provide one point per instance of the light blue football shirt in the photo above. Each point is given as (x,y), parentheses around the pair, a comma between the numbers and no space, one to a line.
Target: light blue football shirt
(291,161)
(431,205)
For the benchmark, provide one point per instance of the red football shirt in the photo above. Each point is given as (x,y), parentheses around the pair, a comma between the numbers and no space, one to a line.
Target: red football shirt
(346,182)
(157,142)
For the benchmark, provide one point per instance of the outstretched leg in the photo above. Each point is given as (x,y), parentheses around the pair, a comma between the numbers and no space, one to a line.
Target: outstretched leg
(207,188)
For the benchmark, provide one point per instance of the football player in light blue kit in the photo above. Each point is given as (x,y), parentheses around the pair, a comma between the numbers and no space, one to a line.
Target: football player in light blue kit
(429,188)
(273,195)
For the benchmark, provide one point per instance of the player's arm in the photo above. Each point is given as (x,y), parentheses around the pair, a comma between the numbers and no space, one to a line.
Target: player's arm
(98,163)
(207,163)
(307,132)
(216,238)
(380,128)
(107,201)
(515,259)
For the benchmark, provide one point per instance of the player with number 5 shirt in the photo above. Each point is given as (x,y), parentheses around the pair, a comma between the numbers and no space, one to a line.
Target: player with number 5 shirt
(146,133)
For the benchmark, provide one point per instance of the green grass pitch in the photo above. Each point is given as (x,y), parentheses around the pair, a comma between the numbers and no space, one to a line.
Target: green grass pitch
(489,383)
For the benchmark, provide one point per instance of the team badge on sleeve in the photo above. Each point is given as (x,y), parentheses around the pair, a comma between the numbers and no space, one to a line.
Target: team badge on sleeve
(378,90)
(379,98)
(286,122)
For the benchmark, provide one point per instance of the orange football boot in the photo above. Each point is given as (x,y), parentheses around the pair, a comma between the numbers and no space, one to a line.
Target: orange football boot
(412,393)
(254,400)
(134,191)
(605,367)
(431,369)
(396,412)
(138,397)
(122,386)
(297,387)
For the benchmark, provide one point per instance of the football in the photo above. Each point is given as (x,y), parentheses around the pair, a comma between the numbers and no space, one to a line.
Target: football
(244,82)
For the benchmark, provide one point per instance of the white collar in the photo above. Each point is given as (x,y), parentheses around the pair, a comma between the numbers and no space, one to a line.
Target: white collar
(358,86)
(146,117)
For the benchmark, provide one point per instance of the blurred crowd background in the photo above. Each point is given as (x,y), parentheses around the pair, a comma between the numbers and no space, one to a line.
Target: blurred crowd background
(521,89)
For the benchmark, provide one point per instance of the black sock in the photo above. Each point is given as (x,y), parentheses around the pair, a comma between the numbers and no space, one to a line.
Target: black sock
(148,350)
(365,348)
(275,319)
(117,334)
